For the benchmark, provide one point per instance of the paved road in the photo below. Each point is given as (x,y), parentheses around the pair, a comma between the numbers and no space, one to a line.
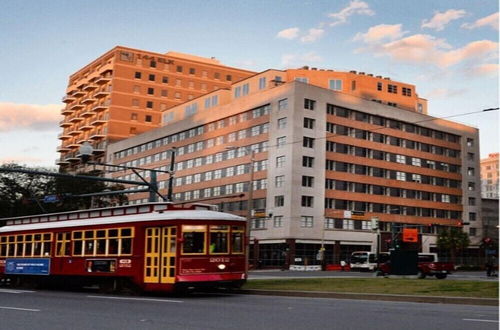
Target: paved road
(270,274)
(20,309)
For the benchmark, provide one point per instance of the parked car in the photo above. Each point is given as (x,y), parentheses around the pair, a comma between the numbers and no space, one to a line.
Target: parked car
(428,265)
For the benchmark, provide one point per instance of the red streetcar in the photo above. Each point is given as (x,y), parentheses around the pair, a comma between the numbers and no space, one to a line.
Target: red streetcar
(153,247)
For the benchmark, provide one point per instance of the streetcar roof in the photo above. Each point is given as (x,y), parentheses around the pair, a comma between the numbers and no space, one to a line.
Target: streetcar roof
(184,215)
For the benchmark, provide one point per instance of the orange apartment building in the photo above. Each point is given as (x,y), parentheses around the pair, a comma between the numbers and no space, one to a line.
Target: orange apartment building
(123,92)
(322,144)
(489,176)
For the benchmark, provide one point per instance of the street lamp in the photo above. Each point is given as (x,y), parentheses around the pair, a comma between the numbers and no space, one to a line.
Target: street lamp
(251,152)
(86,150)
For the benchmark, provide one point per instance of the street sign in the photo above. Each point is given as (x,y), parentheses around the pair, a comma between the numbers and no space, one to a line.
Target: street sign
(51,199)
(410,235)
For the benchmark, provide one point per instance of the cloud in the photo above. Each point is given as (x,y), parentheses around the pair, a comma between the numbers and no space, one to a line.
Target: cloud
(488,69)
(355,7)
(14,116)
(440,20)
(440,93)
(289,60)
(313,35)
(290,33)
(491,21)
(426,49)
(380,32)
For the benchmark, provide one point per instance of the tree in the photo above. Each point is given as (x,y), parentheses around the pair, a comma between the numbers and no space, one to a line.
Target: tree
(453,240)
(23,194)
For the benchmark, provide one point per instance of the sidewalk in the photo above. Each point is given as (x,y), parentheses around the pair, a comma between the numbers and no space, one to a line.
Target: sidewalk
(372,296)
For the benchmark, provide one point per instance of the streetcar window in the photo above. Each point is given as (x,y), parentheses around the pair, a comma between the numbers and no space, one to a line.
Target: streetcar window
(103,242)
(219,239)
(126,246)
(193,239)
(237,239)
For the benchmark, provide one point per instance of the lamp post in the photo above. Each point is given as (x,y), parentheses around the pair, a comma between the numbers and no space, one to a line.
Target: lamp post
(86,150)
(250,152)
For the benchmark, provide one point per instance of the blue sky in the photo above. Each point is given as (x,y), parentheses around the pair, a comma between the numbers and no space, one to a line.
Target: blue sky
(448,49)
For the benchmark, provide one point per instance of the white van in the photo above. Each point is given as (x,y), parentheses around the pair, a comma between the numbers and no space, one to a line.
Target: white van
(364,260)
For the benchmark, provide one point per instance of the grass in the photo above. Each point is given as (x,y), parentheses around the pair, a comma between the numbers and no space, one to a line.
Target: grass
(429,287)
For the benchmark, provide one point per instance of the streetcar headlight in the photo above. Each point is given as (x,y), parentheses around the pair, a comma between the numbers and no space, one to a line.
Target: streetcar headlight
(221,266)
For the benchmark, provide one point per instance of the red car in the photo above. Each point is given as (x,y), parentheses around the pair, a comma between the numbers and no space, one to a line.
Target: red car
(427,266)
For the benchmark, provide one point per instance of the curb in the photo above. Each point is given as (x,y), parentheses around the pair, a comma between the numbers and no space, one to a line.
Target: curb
(373,296)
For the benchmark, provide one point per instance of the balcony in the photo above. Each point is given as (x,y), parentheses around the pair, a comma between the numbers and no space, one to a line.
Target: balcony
(78,93)
(100,107)
(96,135)
(73,157)
(76,106)
(64,123)
(98,121)
(68,99)
(62,161)
(63,149)
(89,100)
(74,144)
(86,126)
(87,113)
(67,111)
(103,79)
(64,136)
(100,94)
(75,119)
(99,148)
(89,87)
(74,131)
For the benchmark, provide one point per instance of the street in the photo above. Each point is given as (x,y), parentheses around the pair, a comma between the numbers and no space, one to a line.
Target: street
(270,274)
(25,309)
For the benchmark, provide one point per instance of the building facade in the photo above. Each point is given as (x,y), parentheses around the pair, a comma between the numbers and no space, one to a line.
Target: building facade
(489,176)
(324,163)
(123,93)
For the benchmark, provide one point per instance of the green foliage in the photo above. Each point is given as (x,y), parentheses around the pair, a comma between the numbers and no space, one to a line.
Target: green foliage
(453,240)
(22,194)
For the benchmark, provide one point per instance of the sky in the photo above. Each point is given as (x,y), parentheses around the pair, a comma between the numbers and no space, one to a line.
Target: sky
(447,48)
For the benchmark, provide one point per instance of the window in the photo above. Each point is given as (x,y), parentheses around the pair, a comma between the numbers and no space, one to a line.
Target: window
(149,104)
(302,79)
(278,221)
(416,161)
(137,75)
(262,82)
(406,91)
(307,161)
(279,201)
(471,186)
(401,176)
(281,141)
(149,118)
(307,201)
(283,104)
(309,104)
(306,221)
(392,89)
(470,171)
(308,142)
(379,86)
(280,161)
(281,123)
(472,216)
(307,181)
(151,77)
(470,142)
(151,91)
(103,242)
(335,84)
(279,181)
(472,232)
(309,123)
(193,239)
(470,156)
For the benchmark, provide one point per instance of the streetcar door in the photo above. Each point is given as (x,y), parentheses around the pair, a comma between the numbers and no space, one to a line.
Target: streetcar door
(159,255)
